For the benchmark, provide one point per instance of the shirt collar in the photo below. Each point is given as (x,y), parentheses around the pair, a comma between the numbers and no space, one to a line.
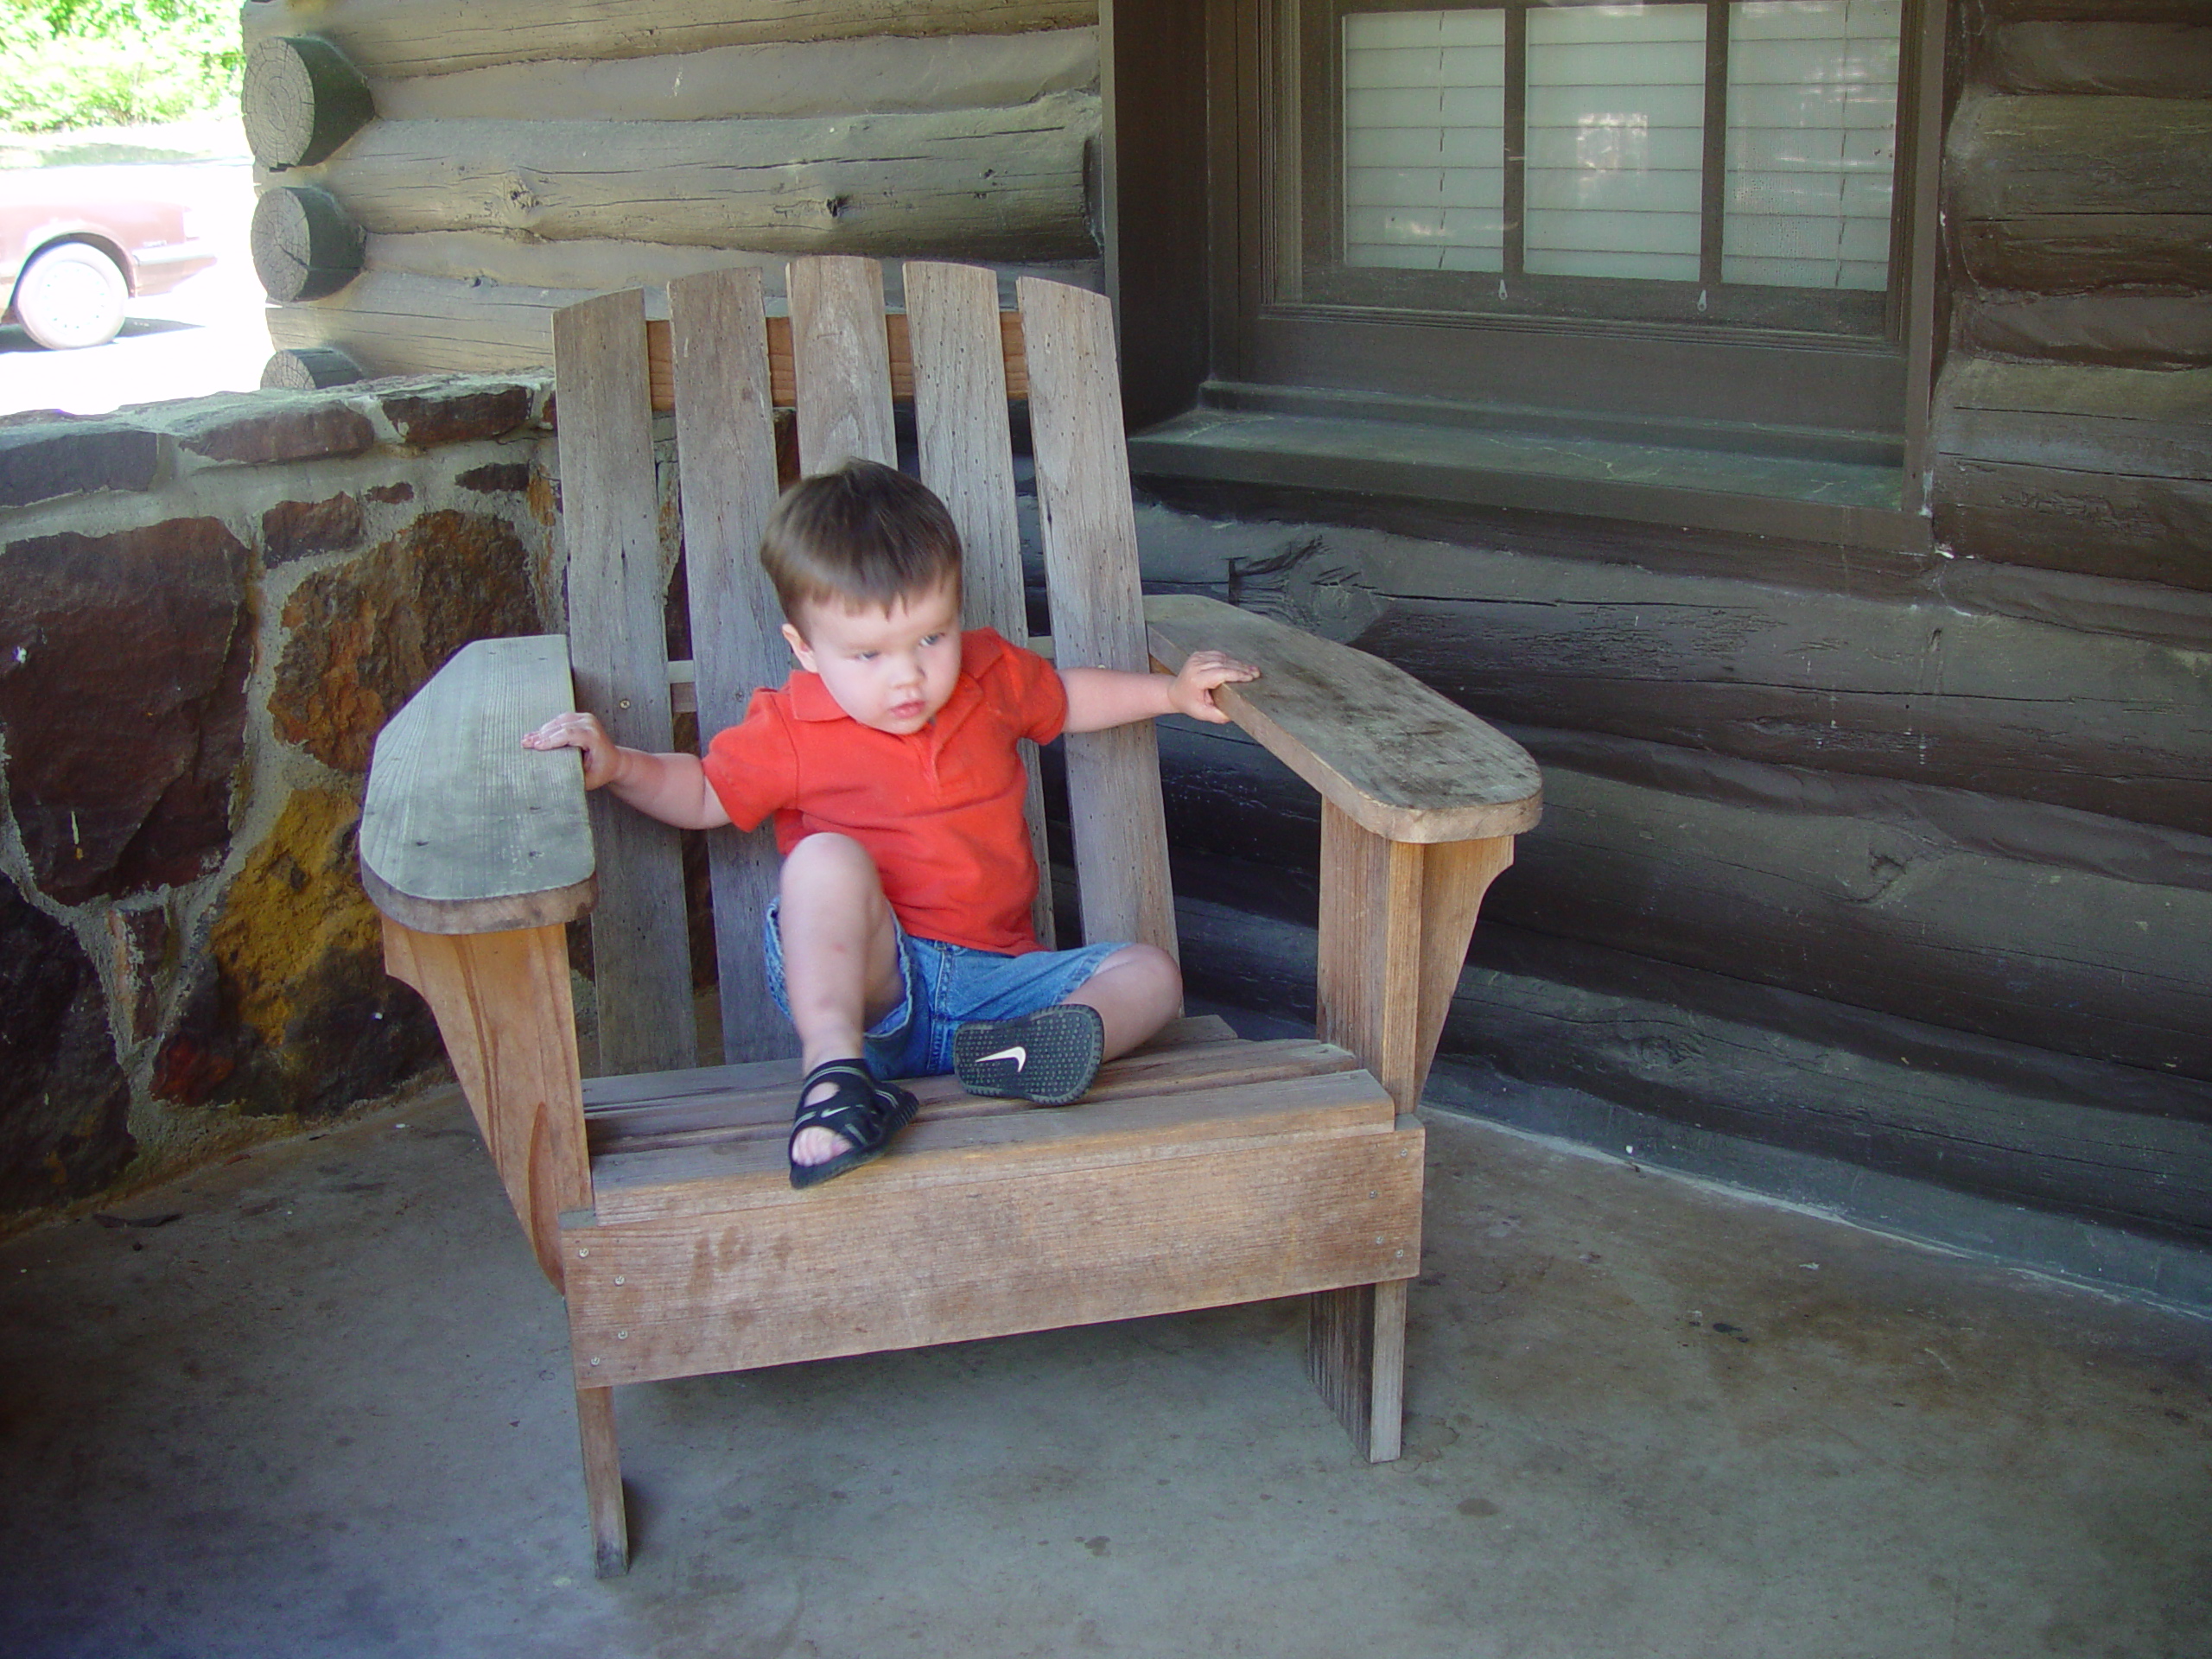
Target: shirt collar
(810,699)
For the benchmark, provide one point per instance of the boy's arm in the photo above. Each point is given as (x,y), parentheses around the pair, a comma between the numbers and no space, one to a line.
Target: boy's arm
(670,787)
(1101,698)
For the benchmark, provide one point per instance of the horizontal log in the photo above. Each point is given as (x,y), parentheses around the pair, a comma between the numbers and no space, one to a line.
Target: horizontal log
(2008,156)
(976,183)
(1919,693)
(2135,423)
(2121,331)
(884,75)
(2142,530)
(1866,905)
(593,265)
(394,325)
(2149,59)
(2122,1146)
(434,37)
(2086,253)
(1903,684)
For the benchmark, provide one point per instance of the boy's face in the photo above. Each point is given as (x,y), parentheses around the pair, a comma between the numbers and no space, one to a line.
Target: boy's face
(891,671)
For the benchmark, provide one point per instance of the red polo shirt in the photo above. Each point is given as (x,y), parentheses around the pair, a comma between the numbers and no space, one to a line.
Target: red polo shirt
(940,809)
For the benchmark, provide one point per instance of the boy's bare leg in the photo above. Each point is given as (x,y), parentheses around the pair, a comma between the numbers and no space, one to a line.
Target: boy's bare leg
(1136,991)
(841,961)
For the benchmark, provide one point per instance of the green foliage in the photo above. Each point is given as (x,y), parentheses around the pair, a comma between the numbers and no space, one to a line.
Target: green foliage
(77,63)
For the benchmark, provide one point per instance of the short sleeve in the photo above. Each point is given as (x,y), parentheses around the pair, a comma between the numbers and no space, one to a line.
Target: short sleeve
(752,768)
(1028,690)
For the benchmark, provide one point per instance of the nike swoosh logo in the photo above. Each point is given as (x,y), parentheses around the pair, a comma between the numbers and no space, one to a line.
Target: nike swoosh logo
(1018,1054)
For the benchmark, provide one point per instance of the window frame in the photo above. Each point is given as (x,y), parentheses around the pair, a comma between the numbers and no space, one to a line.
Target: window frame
(1319,277)
(1286,413)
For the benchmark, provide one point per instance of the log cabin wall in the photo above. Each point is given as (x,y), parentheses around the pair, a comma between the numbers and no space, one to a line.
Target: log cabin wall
(1877,880)
(435,182)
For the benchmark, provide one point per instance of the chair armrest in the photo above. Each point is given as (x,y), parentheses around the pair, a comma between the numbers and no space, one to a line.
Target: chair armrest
(1395,757)
(463,831)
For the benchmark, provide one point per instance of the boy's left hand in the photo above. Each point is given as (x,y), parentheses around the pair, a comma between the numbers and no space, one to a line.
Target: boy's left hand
(1192,691)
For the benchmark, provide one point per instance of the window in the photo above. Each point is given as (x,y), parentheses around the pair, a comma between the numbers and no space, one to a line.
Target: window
(1687,151)
(1668,260)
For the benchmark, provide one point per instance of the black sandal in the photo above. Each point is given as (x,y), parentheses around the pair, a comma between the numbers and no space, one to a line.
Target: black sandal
(866,1113)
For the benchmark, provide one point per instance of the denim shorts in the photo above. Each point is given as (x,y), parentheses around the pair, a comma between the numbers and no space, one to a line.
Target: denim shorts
(944,987)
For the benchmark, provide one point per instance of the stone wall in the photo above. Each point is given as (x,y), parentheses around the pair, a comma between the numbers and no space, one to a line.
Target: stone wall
(207,609)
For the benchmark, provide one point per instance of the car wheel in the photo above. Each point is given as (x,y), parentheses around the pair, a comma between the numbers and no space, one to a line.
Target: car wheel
(71,296)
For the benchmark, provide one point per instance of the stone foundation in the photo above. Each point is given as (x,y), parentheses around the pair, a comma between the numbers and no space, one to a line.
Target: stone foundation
(207,610)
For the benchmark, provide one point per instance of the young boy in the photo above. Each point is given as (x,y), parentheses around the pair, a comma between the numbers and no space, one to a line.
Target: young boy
(900,942)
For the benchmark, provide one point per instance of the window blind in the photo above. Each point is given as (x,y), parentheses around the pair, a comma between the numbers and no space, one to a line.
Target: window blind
(1613,104)
(1812,142)
(1425,139)
(1616,125)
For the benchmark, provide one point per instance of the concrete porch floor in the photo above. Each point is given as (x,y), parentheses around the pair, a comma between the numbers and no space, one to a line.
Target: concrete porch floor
(326,1411)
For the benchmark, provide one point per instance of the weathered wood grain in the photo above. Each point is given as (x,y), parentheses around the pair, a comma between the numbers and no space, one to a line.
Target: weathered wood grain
(1091,561)
(463,831)
(1392,755)
(954,1147)
(610,1525)
(1036,1250)
(994,183)
(880,74)
(725,459)
(391,322)
(655,1111)
(2112,1144)
(1921,691)
(301,100)
(841,363)
(957,344)
(2137,530)
(1355,1354)
(310,368)
(2123,331)
(2008,156)
(594,266)
(2087,252)
(304,246)
(433,38)
(2084,55)
(1394,920)
(2141,422)
(2018,924)
(619,652)
(502,1004)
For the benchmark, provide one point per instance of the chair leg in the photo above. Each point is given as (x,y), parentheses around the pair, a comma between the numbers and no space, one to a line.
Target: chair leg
(610,1528)
(1356,1353)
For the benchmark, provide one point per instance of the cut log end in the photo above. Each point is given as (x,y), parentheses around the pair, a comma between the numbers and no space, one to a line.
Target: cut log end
(300,100)
(305,247)
(309,368)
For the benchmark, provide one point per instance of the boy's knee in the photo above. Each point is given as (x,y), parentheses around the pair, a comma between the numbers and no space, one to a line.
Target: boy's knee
(1145,962)
(832,868)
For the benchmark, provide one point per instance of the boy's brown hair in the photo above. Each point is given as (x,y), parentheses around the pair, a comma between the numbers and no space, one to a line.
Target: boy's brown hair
(862,536)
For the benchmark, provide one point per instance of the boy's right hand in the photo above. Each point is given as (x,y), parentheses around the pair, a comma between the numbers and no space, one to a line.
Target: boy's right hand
(603,759)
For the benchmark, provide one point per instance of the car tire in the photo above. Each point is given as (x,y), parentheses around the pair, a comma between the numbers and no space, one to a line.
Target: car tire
(70,296)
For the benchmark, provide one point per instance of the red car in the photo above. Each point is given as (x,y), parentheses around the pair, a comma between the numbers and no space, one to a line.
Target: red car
(77,244)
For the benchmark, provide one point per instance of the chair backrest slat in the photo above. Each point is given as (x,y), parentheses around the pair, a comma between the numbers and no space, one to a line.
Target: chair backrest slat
(726,461)
(618,649)
(842,361)
(967,457)
(1090,569)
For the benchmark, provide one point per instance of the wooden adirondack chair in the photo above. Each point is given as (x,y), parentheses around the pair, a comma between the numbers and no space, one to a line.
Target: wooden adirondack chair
(1201,1171)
